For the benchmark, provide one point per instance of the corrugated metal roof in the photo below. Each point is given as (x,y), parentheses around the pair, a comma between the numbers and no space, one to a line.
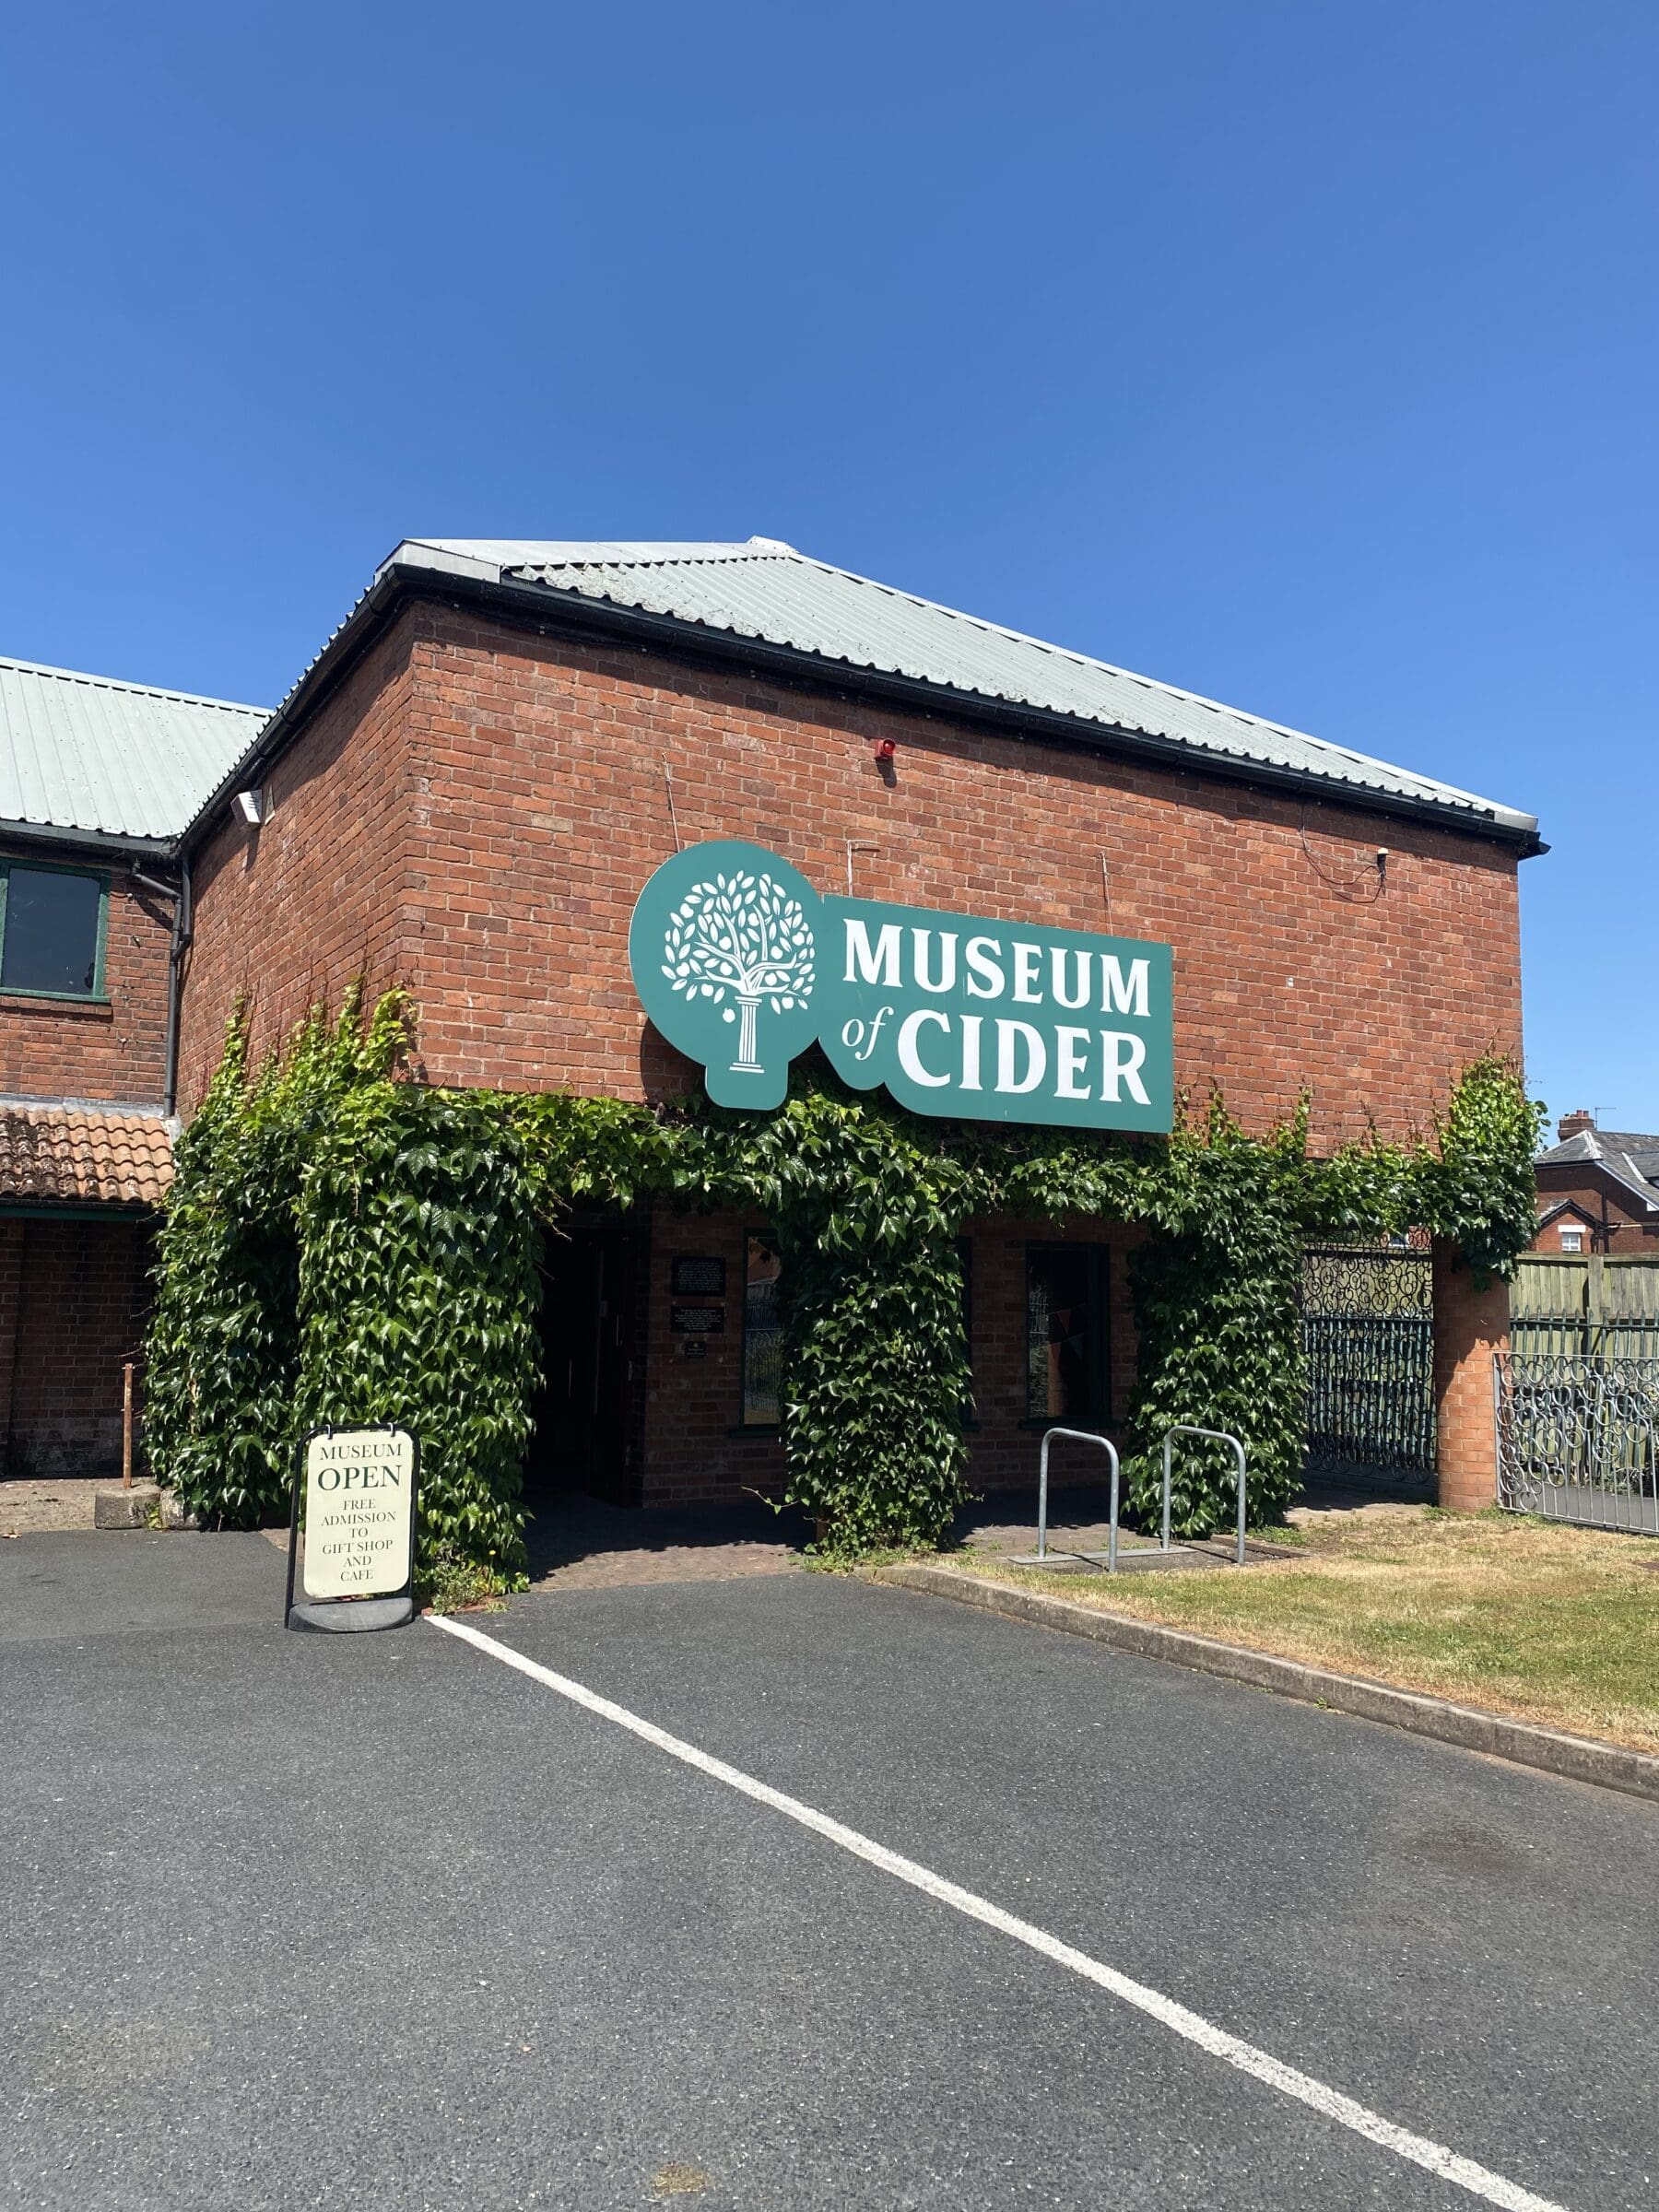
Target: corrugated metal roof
(62,1156)
(85,752)
(765,590)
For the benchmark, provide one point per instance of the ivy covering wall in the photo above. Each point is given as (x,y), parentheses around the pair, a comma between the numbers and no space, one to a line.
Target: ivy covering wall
(344,1244)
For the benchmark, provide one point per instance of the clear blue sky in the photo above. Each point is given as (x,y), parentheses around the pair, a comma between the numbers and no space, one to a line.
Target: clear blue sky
(1302,354)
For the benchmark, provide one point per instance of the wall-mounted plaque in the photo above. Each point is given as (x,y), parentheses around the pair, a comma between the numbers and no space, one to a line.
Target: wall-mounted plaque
(698,1278)
(697,1321)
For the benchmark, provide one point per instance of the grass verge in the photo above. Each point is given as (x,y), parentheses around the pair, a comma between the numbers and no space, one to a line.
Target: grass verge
(1555,1625)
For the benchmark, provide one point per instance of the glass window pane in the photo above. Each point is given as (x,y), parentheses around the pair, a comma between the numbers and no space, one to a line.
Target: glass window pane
(51,941)
(1065,1332)
(762,1335)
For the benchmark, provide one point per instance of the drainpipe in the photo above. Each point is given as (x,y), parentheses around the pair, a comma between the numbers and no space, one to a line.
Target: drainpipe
(182,933)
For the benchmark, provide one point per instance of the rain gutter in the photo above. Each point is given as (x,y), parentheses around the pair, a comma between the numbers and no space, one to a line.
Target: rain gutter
(178,946)
(116,844)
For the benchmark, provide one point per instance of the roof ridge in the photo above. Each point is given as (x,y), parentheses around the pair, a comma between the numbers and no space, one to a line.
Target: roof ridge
(120,683)
(1133,676)
(612,552)
(712,552)
(881,631)
(720,558)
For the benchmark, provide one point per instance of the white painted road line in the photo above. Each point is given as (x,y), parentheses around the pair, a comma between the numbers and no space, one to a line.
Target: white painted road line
(1434,2158)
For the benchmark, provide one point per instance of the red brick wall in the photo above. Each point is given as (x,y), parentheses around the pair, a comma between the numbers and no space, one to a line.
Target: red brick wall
(1471,1326)
(1005,1449)
(289,914)
(61,1048)
(520,780)
(692,1404)
(11,1285)
(76,1297)
(695,1447)
(474,812)
(543,809)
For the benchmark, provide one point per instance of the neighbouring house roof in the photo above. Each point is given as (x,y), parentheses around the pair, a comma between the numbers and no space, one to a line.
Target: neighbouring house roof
(1631,1161)
(764,591)
(1548,1213)
(80,1156)
(123,762)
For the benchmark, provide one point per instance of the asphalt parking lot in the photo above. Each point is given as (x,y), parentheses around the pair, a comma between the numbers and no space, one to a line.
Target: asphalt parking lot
(299,1920)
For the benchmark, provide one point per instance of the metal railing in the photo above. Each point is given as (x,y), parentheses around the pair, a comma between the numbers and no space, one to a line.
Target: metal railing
(1578,1439)
(1080,1436)
(1218,1436)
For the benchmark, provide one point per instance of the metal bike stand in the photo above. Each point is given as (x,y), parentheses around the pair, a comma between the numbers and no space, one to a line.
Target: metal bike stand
(1218,1436)
(1145,1556)
(1081,1436)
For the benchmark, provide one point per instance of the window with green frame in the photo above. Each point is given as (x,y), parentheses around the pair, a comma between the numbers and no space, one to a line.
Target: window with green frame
(1067,1370)
(762,1332)
(52,926)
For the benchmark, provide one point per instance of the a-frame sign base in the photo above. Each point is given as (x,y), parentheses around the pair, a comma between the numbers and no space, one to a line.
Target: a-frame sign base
(335,1614)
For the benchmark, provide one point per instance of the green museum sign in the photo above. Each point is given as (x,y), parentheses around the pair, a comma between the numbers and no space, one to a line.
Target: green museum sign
(743,965)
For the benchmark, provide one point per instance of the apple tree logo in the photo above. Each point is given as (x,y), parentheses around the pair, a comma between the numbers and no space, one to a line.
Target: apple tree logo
(723,949)
(744,934)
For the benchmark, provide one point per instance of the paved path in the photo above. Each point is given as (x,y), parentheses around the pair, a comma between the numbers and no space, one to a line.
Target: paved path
(300,1921)
(33,1505)
(578,1544)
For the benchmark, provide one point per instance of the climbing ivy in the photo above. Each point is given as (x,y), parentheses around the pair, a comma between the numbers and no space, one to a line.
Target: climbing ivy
(344,1242)
(1476,1184)
(866,1204)
(418,1292)
(224,1343)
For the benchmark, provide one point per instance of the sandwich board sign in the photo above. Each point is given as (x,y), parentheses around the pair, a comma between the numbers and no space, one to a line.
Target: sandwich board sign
(743,965)
(354,1545)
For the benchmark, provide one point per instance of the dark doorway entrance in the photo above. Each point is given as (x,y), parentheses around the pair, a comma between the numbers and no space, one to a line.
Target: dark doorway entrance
(589,1412)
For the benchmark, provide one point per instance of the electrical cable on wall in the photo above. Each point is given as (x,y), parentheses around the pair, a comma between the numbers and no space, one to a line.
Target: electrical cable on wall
(1363,889)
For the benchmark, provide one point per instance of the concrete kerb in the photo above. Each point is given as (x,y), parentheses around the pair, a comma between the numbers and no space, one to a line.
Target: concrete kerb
(146,1505)
(1574,1758)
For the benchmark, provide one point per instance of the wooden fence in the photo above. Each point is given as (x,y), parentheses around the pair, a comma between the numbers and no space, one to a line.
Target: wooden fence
(1585,1304)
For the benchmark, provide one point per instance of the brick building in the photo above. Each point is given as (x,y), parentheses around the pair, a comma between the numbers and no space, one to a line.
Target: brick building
(98,781)
(468,790)
(1598,1190)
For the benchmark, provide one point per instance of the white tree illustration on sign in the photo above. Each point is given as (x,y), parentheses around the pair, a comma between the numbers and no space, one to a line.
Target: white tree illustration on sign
(742,934)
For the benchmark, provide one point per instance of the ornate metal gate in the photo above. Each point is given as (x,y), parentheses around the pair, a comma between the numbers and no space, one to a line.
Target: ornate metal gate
(1368,1331)
(1578,1395)
(1578,1439)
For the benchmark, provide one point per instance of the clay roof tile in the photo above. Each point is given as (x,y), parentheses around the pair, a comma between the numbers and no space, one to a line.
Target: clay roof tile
(57,1155)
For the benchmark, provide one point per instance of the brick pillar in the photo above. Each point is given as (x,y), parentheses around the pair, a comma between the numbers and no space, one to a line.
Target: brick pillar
(11,1299)
(1469,1327)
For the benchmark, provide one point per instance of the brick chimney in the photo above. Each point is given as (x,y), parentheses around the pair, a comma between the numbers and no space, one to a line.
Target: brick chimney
(1574,1125)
